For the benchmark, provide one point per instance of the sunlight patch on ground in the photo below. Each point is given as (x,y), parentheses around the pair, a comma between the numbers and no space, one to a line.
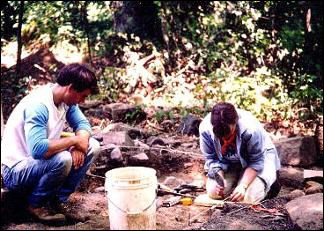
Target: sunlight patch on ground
(9,54)
(63,52)
(181,99)
(66,53)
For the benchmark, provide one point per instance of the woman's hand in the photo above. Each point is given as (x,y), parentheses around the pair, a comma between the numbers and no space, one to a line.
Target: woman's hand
(214,190)
(238,193)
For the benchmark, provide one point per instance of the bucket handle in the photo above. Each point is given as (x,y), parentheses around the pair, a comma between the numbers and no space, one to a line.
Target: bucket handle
(128,213)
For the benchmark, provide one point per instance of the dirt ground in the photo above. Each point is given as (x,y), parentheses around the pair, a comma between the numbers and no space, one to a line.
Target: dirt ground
(93,202)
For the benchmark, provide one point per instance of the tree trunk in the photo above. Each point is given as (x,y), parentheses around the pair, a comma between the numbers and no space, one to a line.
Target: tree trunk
(85,23)
(139,18)
(2,123)
(21,13)
(164,28)
(309,40)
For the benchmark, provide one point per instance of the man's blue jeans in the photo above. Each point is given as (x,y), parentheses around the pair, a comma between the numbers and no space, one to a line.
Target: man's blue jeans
(45,179)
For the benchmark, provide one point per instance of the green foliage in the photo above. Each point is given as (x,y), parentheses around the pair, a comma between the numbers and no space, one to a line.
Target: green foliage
(109,84)
(162,115)
(261,93)
(253,54)
(292,38)
(305,94)
(9,19)
(136,115)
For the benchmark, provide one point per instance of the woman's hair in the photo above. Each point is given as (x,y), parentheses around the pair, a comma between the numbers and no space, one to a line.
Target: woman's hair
(79,76)
(222,115)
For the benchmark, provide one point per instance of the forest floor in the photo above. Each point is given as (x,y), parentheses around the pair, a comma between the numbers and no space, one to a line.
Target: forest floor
(178,217)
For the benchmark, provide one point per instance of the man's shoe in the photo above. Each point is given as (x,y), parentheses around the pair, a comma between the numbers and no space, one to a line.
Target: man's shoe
(70,212)
(45,214)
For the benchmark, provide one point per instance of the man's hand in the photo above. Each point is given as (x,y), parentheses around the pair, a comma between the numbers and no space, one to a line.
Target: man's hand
(238,193)
(77,158)
(82,143)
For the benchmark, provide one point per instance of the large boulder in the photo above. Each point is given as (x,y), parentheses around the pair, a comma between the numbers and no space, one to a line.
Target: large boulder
(291,176)
(189,125)
(307,211)
(297,151)
(120,112)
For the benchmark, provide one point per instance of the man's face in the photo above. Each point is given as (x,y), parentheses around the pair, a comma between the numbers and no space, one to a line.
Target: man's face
(74,97)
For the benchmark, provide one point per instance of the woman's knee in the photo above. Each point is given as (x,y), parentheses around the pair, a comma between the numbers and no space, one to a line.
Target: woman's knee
(256,191)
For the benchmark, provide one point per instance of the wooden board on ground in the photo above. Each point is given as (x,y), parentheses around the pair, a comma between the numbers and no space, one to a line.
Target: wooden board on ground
(205,200)
(308,173)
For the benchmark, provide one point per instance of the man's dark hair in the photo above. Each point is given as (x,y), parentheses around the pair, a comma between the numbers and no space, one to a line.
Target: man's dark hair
(222,115)
(79,76)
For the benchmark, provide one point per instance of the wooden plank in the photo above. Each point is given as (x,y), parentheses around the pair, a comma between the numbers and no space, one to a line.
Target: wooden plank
(205,200)
(312,173)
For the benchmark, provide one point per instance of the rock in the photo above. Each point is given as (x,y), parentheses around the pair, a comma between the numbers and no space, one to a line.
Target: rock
(297,151)
(116,154)
(187,165)
(189,125)
(319,137)
(117,138)
(293,194)
(141,156)
(187,145)
(124,112)
(133,132)
(99,113)
(173,182)
(167,125)
(98,136)
(141,144)
(291,176)
(312,187)
(307,211)
(89,104)
(153,140)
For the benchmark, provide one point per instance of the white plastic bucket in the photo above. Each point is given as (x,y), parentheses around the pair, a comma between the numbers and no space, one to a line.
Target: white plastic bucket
(131,193)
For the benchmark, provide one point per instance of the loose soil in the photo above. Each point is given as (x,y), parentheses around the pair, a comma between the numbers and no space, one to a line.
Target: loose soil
(178,217)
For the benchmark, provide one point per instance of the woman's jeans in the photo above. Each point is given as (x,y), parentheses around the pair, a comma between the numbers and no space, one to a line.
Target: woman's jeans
(44,180)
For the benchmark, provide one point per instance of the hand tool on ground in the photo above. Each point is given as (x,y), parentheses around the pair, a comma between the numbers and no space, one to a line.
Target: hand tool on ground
(162,192)
(165,190)
(176,200)
(171,201)
(185,188)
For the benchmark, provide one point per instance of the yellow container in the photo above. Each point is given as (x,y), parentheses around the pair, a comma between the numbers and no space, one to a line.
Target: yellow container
(186,201)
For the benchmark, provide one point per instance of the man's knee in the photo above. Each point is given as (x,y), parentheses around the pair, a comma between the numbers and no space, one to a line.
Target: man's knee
(94,147)
(64,161)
